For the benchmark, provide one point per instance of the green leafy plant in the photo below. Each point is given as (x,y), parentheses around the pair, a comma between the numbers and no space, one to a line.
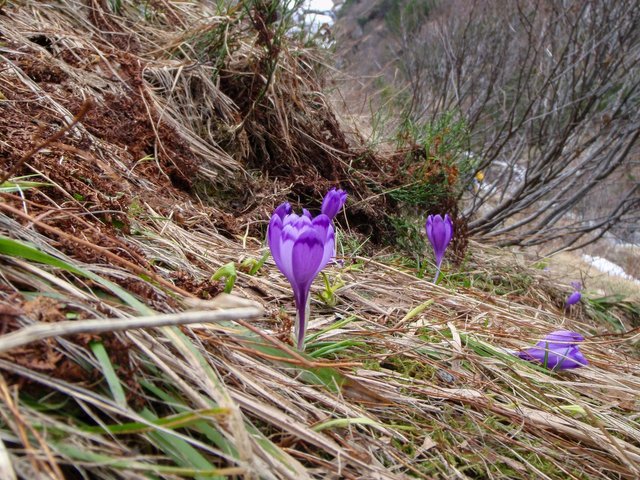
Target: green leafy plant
(25,251)
(612,309)
(115,386)
(328,295)
(228,272)
(252,266)
(409,236)
(436,166)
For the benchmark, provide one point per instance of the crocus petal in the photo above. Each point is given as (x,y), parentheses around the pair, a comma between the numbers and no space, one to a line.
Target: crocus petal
(274,234)
(321,225)
(558,350)
(308,251)
(572,358)
(303,222)
(289,219)
(448,228)
(439,232)
(324,228)
(532,354)
(577,286)
(573,299)
(307,254)
(434,231)
(329,248)
(282,210)
(559,358)
(429,228)
(561,338)
(431,236)
(287,240)
(333,202)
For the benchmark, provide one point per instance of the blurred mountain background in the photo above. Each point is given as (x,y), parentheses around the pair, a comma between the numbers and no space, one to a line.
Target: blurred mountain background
(536,103)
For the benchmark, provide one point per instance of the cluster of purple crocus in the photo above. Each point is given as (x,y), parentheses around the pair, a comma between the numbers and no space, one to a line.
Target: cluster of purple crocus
(302,245)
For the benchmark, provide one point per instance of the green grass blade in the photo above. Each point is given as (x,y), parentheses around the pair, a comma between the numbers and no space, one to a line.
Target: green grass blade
(12,186)
(213,435)
(14,248)
(345,422)
(182,453)
(117,392)
(416,310)
(171,422)
(127,465)
(190,351)
(324,349)
(333,326)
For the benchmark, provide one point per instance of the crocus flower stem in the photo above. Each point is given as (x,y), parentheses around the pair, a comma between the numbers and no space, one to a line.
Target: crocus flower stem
(303,309)
(435,279)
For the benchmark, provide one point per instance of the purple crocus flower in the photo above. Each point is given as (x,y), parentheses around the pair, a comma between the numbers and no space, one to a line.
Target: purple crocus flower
(439,232)
(575,296)
(333,202)
(573,299)
(557,351)
(301,246)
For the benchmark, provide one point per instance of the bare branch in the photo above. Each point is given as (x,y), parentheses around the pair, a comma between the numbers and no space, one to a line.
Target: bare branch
(550,93)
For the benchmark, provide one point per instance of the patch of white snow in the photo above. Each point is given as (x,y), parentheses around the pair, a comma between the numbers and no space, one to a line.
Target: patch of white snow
(608,267)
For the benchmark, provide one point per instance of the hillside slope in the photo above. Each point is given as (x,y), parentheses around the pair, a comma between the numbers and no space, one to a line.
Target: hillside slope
(143,147)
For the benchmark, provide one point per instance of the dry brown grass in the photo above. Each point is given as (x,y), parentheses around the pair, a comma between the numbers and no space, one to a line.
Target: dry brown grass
(399,391)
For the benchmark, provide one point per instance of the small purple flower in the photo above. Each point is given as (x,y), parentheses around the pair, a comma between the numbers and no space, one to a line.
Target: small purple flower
(301,246)
(439,232)
(333,202)
(575,296)
(557,351)
(573,299)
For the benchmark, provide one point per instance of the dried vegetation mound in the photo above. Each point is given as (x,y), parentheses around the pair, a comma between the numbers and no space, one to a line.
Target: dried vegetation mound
(118,358)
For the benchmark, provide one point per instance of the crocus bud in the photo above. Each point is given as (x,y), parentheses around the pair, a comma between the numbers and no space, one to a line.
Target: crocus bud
(575,296)
(573,299)
(440,233)
(282,210)
(333,202)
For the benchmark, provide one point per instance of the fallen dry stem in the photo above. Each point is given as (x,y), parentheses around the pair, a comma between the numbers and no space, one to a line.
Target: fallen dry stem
(34,333)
